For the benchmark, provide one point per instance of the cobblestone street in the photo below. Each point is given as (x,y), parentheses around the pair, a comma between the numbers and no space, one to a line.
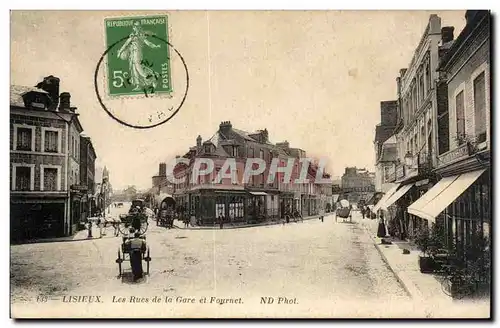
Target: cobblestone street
(309,261)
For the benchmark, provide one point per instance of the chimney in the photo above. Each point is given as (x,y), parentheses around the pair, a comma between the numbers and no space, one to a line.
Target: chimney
(50,84)
(198,142)
(284,144)
(225,127)
(163,170)
(470,15)
(265,135)
(447,34)
(64,101)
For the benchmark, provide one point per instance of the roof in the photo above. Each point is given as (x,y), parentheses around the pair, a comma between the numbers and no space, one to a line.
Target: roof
(243,134)
(383,132)
(17,92)
(481,17)
(389,154)
(391,140)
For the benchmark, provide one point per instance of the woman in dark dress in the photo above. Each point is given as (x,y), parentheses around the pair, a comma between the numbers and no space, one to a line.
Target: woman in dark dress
(381,226)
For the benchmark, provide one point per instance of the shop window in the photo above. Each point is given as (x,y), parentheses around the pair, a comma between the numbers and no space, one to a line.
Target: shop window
(480,107)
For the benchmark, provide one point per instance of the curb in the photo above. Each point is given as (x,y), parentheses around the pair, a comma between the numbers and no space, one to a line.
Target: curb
(45,241)
(384,258)
(42,241)
(216,227)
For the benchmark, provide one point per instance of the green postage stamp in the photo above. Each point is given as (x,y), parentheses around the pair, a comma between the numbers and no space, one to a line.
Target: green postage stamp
(138,56)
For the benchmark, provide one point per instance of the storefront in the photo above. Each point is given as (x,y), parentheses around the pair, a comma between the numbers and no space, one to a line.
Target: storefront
(287,203)
(77,195)
(460,200)
(207,206)
(32,218)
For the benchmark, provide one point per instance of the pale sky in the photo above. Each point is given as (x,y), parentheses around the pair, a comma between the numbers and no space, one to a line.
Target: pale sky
(314,78)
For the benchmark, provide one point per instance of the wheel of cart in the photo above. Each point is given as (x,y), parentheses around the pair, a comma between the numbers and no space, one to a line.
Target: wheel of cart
(119,261)
(147,258)
(137,221)
(124,255)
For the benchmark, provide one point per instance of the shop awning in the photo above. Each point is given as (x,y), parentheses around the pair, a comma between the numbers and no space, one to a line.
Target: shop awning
(449,191)
(397,195)
(382,200)
(432,193)
(258,193)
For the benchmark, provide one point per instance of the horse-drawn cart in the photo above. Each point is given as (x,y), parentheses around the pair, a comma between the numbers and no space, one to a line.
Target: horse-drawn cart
(136,218)
(166,212)
(344,210)
(127,252)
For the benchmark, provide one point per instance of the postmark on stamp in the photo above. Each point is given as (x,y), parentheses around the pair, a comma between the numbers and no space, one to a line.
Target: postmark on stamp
(138,64)
(135,76)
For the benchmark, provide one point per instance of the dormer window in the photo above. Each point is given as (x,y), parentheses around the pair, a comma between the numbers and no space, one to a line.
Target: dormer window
(35,100)
(207,148)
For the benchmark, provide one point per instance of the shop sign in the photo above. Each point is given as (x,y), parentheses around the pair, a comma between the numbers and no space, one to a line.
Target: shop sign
(421,182)
(78,187)
(454,155)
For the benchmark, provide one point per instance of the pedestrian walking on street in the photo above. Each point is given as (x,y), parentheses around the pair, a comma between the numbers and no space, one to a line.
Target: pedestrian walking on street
(137,247)
(363,212)
(99,224)
(90,229)
(381,227)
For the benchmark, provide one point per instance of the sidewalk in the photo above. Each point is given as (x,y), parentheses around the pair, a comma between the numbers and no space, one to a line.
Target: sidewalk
(246,225)
(421,287)
(78,236)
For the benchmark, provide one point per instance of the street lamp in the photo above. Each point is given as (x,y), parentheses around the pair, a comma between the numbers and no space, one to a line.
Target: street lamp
(408,159)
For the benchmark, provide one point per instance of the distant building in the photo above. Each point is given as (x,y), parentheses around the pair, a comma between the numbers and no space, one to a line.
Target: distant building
(385,146)
(87,174)
(357,184)
(252,201)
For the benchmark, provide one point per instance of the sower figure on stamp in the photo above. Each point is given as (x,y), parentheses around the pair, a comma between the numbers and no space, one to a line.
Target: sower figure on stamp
(141,76)
(137,247)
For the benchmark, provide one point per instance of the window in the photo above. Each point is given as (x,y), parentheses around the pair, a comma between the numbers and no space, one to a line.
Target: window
(73,145)
(460,114)
(261,153)
(207,148)
(235,151)
(480,107)
(51,142)
(421,87)
(50,179)
(427,78)
(23,178)
(250,153)
(24,139)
